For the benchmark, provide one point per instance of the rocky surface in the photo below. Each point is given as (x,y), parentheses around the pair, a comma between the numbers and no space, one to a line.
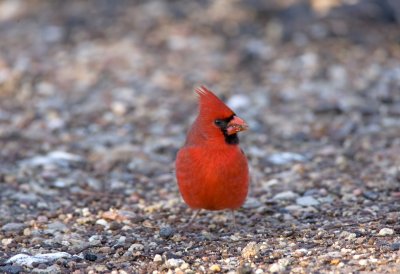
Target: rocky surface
(95,101)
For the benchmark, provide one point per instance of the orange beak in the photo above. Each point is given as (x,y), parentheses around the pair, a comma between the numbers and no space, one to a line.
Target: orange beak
(236,125)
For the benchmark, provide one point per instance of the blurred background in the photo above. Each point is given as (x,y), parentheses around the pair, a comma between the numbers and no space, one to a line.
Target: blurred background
(107,86)
(96,98)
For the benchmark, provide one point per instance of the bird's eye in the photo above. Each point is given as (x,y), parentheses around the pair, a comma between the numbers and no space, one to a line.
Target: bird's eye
(219,123)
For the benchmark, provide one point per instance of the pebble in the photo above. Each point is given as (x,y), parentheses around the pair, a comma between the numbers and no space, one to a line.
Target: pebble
(300,252)
(100,268)
(371,195)
(348,235)
(102,222)
(59,158)
(90,257)
(166,232)
(363,262)
(386,232)
(238,101)
(28,260)
(307,201)
(184,266)
(95,239)
(245,269)
(136,247)
(57,226)
(250,250)
(395,246)
(158,259)
(286,195)
(174,263)
(42,219)
(252,202)
(53,269)
(28,198)
(11,269)
(17,227)
(277,267)
(6,241)
(284,158)
(215,268)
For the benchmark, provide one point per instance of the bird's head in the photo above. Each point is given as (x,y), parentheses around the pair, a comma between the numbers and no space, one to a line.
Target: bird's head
(217,119)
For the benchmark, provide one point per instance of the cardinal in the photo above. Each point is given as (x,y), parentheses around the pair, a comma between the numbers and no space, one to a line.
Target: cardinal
(211,169)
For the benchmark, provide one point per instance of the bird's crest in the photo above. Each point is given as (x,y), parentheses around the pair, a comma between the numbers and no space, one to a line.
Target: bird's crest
(211,104)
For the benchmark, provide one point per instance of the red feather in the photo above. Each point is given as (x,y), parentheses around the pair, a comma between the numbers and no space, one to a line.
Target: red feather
(211,172)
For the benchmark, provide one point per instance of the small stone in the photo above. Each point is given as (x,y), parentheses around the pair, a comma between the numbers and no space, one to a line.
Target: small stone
(60,184)
(245,269)
(102,222)
(95,239)
(283,158)
(174,263)
(286,195)
(276,268)
(300,252)
(307,201)
(100,268)
(90,257)
(363,262)
(58,158)
(11,269)
(279,266)
(238,101)
(250,250)
(6,241)
(357,192)
(158,259)
(166,232)
(113,215)
(252,203)
(104,249)
(118,108)
(371,195)
(347,235)
(215,268)
(13,227)
(57,226)
(335,262)
(115,226)
(27,260)
(27,232)
(135,247)
(42,219)
(395,246)
(184,266)
(386,232)
(121,240)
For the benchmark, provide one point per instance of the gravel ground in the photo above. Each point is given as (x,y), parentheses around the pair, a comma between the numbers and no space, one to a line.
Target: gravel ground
(95,101)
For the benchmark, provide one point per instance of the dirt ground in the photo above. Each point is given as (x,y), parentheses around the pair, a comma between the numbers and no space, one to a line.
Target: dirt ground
(96,98)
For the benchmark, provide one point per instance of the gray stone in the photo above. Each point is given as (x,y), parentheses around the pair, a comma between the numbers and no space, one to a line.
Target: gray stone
(166,232)
(136,247)
(28,260)
(57,226)
(286,195)
(283,158)
(13,227)
(307,201)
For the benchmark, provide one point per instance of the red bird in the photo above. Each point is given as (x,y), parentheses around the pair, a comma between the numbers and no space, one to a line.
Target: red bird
(211,169)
